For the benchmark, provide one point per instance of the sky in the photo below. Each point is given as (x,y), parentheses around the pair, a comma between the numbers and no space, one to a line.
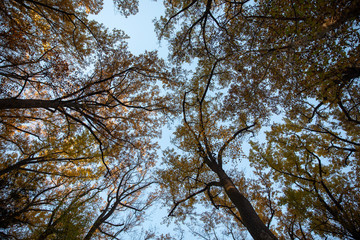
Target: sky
(139,27)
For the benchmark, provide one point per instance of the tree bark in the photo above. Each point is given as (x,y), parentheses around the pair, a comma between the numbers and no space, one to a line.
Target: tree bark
(12,103)
(250,218)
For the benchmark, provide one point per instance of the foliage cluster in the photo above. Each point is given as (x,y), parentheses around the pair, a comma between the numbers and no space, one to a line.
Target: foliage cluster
(80,116)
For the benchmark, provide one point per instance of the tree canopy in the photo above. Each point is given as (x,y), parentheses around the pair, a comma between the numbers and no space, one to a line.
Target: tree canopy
(81,116)
(256,60)
(78,116)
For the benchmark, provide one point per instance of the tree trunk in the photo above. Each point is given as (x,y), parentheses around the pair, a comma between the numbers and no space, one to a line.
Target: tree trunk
(249,217)
(12,103)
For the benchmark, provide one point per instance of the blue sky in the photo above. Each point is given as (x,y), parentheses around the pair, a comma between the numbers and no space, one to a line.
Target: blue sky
(139,27)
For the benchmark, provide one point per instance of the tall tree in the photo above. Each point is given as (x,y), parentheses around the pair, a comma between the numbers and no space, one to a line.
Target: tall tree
(208,138)
(76,107)
(297,57)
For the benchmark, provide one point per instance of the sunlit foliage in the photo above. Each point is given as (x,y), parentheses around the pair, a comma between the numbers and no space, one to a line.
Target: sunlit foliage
(256,60)
(78,114)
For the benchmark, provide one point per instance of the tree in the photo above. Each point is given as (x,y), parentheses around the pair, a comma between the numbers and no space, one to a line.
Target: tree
(297,58)
(79,118)
(318,175)
(208,139)
(76,107)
